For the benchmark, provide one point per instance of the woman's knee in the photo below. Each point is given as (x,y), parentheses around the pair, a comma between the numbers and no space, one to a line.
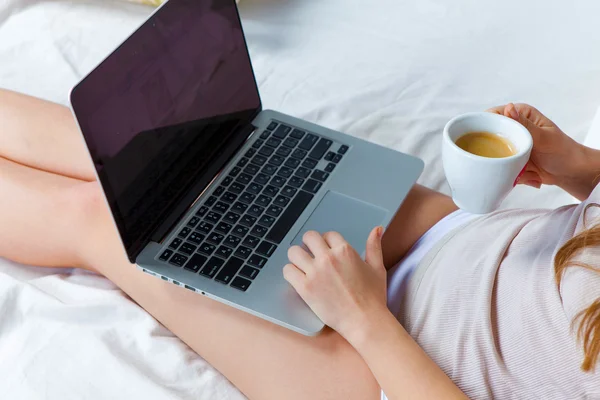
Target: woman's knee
(80,204)
(85,214)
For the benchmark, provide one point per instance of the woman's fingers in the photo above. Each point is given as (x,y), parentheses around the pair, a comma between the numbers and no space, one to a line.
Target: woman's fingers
(374,253)
(508,110)
(511,111)
(527,115)
(315,243)
(334,239)
(530,178)
(300,258)
(295,277)
(497,110)
(534,115)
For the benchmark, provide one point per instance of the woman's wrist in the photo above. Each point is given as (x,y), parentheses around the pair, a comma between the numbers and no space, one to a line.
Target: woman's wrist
(369,326)
(584,173)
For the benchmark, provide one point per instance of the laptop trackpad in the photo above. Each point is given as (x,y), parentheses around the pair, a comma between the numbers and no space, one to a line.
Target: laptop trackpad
(353,218)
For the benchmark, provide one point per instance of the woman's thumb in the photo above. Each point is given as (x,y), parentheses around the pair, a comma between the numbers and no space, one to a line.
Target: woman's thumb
(374,253)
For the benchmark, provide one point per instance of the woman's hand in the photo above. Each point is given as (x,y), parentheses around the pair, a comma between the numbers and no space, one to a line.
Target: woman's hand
(349,295)
(339,286)
(552,151)
(555,159)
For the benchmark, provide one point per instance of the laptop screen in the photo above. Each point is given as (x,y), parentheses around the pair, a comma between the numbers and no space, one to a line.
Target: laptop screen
(159,111)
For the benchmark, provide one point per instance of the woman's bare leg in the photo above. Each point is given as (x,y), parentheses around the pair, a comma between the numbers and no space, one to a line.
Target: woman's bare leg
(42,135)
(31,229)
(66,223)
(421,209)
(263,360)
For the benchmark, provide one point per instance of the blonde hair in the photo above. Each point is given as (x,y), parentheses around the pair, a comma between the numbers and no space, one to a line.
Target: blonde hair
(588,331)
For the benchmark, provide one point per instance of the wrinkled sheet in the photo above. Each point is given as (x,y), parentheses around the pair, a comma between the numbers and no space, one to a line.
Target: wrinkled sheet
(390,71)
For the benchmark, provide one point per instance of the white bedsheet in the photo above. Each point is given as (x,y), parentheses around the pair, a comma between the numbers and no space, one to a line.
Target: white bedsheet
(391,71)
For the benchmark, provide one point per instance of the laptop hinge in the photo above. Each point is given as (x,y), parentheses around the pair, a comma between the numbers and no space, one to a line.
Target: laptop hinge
(196,189)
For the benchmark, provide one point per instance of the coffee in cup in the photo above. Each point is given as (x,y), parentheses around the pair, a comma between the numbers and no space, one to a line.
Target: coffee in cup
(483,154)
(486,144)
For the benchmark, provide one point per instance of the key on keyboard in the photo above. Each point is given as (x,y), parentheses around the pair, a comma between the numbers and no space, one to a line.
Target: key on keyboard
(282,131)
(312,186)
(308,142)
(251,241)
(297,134)
(236,188)
(258,231)
(283,151)
(211,267)
(263,200)
(273,142)
(266,248)
(178,260)
(299,154)
(215,238)
(207,248)
(232,241)
(285,172)
(240,283)
(249,272)
(195,263)
(175,244)
(266,151)
(229,270)
(289,216)
(257,261)
(205,227)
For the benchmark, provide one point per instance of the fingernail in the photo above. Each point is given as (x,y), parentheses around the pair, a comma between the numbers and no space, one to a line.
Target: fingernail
(518,179)
(380,232)
(514,114)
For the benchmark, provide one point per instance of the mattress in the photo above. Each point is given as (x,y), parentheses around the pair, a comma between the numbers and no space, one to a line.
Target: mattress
(390,71)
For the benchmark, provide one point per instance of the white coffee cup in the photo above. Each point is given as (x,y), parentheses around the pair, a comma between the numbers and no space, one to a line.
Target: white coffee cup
(480,184)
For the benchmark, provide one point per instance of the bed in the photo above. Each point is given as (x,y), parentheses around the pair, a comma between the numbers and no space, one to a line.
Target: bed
(390,71)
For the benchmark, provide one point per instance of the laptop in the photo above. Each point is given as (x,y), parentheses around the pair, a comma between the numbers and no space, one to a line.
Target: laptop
(208,190)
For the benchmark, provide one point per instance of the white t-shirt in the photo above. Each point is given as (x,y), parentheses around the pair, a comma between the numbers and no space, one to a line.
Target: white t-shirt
(484,304)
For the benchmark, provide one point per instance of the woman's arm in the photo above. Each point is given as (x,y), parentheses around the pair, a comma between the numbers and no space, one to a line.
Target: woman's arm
(349,295)
(401,367)
(556,159)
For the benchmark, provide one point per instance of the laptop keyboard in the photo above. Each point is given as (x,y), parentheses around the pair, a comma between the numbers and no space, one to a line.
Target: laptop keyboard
(235,231)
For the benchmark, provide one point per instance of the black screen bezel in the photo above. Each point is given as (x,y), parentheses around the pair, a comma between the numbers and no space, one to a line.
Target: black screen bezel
(134,245)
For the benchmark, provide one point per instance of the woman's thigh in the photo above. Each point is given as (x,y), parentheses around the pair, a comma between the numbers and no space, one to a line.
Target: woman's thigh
(263,360)
(41,216)
(52,220)
(42,135)
(421,209)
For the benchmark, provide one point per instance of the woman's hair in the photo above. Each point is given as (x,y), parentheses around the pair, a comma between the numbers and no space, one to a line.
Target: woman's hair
(589,319)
